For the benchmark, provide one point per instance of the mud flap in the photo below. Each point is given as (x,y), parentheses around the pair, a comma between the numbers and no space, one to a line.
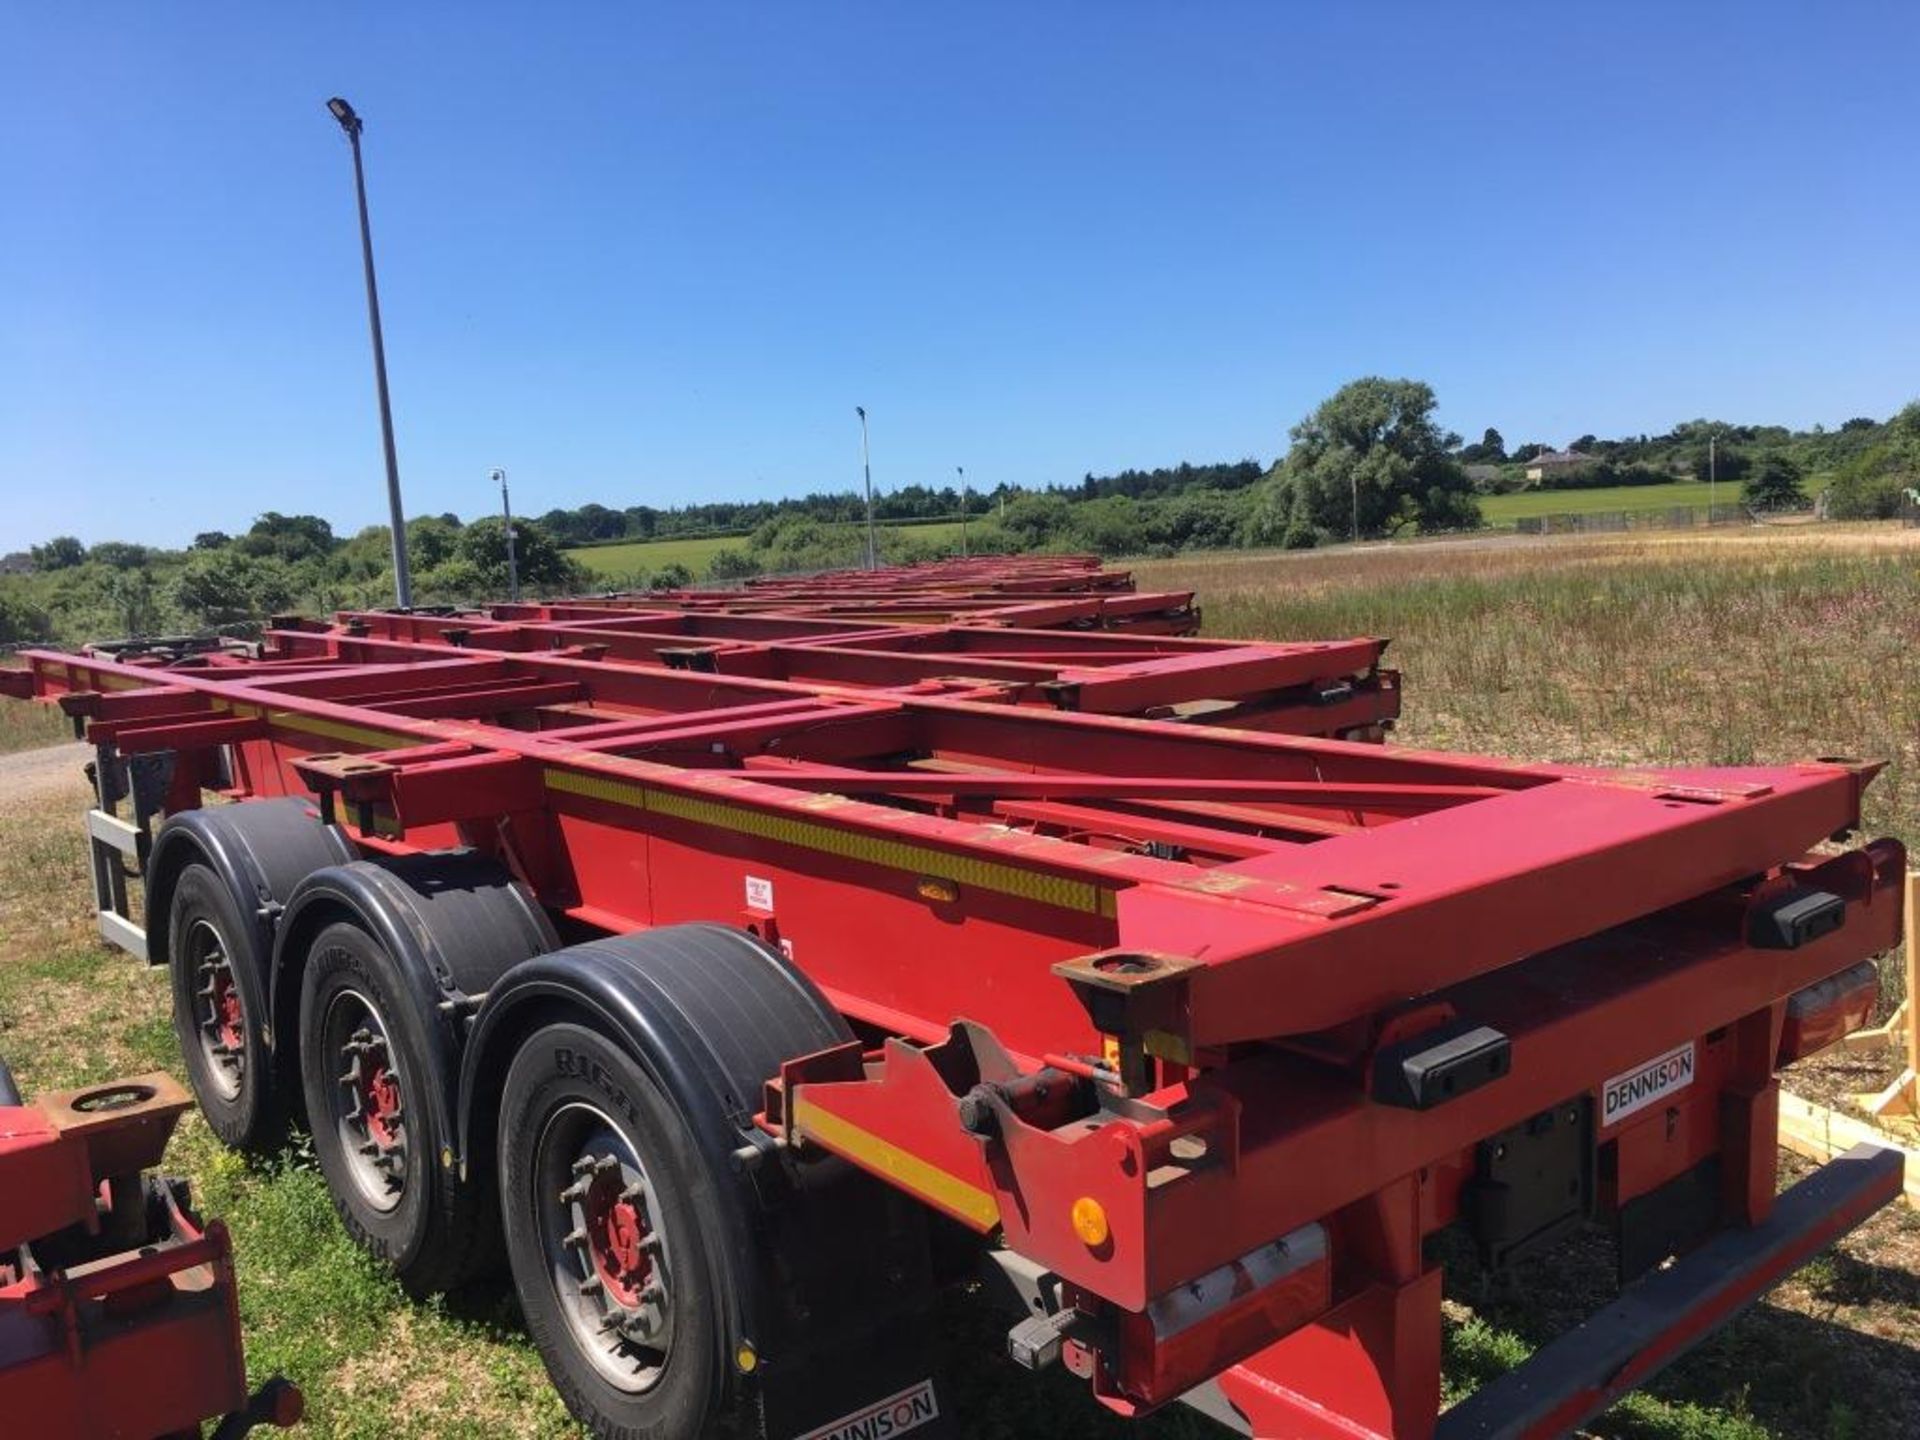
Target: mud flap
(849,1291)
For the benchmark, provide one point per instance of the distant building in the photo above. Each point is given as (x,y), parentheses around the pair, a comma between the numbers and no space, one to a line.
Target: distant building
(1557,462)
(18,563)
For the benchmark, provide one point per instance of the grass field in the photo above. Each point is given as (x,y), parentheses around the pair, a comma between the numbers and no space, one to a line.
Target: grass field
(654,555)
(696,555)
(1674,649)
(1502,510)
(22,727)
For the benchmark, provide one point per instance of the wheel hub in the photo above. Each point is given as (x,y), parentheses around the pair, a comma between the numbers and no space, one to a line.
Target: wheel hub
(611,1264)
(619,1239)
(369,1100)
(219,1013)
(380,1104)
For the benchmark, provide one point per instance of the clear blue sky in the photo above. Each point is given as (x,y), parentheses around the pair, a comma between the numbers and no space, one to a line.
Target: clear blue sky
(660,256)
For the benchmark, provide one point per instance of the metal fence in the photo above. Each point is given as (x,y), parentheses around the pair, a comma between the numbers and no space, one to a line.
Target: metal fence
(1674,517)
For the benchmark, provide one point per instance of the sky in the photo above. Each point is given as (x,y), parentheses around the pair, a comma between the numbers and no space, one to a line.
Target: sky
(657,255)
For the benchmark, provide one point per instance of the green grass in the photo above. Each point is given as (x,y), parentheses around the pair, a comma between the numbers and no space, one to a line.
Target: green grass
(655,555)
(1499,510)
(649,556)
(28,727)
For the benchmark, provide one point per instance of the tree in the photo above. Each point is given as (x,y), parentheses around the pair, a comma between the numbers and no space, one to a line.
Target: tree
(120,555)
(135,604)
(289,537)
(227,587)
(1720,461)
(1202,519)
(1775,485)
(211,540)
(22,623)
(1036,520)
(1871,484)
(543,565)
(597,522)
(732,565)
(63,552)
(431,540)
(1113,526)
(1370,459)
(1492,449)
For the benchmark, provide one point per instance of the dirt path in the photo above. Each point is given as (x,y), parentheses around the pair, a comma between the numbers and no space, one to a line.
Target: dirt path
(27,774)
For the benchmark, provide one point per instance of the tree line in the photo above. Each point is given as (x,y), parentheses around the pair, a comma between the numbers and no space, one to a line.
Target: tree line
(1369,461)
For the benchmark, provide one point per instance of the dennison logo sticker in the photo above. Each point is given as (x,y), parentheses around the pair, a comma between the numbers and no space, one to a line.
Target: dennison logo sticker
(896,1415)
(1645,1084)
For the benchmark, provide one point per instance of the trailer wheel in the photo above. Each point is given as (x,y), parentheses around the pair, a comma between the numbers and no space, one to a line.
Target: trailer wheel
(362,1066)
(602,1201)
(216,879)
(220,1039)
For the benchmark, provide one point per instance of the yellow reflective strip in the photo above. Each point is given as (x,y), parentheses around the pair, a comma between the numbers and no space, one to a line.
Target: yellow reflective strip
(952,1194)
(598,787)
(335,730)
(1059,890)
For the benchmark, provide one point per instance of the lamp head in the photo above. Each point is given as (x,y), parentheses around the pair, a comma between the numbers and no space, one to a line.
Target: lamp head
(344,113)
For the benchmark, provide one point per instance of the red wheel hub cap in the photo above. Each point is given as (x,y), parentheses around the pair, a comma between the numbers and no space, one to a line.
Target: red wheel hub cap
(617,1234)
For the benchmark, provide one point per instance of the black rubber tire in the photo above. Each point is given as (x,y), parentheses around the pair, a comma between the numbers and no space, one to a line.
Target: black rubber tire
(568,1062)
(243,1110)
(440,1232)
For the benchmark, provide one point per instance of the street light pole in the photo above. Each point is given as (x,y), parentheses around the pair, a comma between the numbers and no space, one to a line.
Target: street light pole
(1713,471)
(506,509)
(1354,479)
(961,470)
(402,581)
(866,468)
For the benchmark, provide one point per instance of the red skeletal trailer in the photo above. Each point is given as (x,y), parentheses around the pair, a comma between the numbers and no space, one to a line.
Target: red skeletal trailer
(729,982)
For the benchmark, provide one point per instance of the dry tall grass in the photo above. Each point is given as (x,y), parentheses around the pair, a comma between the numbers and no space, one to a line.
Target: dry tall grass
(1754,647)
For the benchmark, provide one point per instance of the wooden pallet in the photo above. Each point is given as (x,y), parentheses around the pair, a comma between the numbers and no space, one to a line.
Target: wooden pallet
(1888,1117)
